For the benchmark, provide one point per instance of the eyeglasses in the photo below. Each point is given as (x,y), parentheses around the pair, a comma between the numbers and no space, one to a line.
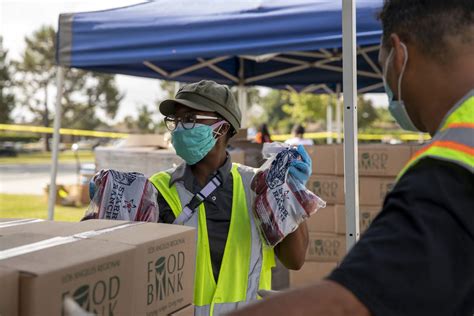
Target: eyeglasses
(188,121)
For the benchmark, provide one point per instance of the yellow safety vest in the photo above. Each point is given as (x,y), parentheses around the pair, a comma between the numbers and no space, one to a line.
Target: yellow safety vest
(238,280)
(454,141)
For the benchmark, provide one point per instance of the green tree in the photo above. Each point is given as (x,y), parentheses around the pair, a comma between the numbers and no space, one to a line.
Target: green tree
(273,114)
(307,107)
(145,123)
(87,96)
(366,113)
(7,99)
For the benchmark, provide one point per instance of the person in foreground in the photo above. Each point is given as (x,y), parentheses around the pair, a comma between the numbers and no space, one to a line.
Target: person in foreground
(417,257)
(211,193)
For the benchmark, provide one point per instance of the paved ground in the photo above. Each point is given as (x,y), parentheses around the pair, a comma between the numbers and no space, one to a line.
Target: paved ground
(32,179)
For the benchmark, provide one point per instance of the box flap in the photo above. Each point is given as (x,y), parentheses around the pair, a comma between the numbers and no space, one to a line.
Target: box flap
(136,235)
(63,256)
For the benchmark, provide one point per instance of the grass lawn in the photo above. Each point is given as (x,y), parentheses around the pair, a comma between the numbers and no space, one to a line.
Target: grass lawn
(45,157)
(36,206)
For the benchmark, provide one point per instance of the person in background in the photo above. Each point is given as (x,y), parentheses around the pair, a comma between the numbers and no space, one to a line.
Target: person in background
(299,139)
(417,256)
(208,192)
(263,135)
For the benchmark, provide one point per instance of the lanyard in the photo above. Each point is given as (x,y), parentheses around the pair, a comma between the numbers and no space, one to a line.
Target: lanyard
(197,199)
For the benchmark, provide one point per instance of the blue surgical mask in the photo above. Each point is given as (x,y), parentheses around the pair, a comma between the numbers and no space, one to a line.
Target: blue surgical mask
(397,107)
(195,143)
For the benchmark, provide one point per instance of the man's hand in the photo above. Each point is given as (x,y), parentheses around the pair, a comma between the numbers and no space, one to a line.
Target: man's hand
(325,298)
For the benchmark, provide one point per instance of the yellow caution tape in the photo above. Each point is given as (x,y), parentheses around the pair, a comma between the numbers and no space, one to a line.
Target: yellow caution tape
(333,135)
(62,131)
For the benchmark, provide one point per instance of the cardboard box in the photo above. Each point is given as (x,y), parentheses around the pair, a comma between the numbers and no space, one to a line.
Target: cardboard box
(185,311)
(53,228)
(155,261)
(310,273)
(326,247)
(237,156)
(164,265)
(372,190)
(253,152)
(366,216)
(378,160)
(242,134)
(9,291)
(96,274)
(329,188)
(324,220)
(8,222)
(323,158)
(145,140)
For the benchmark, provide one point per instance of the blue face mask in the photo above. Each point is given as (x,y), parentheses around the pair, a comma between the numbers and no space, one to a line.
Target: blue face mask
(195,143)
(397,107)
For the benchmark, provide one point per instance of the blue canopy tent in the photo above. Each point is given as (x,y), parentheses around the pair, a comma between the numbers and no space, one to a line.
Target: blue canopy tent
(270,43)
(293,44)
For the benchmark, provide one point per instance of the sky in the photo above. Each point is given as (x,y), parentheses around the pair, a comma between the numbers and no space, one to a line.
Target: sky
(19,18)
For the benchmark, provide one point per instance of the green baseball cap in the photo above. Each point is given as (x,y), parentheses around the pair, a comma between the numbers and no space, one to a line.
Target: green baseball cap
(208,96)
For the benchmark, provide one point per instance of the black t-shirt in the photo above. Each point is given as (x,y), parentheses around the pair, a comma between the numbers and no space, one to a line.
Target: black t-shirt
(417,257)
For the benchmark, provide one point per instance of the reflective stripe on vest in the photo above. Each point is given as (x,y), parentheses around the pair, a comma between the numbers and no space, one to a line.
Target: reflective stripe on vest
(454,142)
(247,262)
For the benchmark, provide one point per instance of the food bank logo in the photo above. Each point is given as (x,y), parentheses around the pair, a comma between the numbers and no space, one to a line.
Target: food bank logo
(99,298)
(373,161)
(325,248)
(325,189)
(165,277)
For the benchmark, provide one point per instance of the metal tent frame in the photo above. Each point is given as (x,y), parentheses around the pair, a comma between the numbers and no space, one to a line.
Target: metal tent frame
(323,59)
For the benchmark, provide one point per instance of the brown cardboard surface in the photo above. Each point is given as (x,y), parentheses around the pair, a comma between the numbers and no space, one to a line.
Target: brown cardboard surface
(237,156)
(164,253)
(59,228)
(324,220)
(372,190)
(144,255)
(4,220)
(326,247)
(310,273)
(367,214)
(253,151)
(378,160)
(97,274)
(145,140)
(329,188)
(323,158)
(8,222)
(9,291)
(185,311)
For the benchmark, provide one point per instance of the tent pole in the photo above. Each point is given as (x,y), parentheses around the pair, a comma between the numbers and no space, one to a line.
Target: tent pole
(329,123)
(338,113)
(242,94)
(56,136)
(351,172)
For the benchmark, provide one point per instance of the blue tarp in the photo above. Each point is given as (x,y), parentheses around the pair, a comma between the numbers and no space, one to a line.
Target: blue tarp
(175,34)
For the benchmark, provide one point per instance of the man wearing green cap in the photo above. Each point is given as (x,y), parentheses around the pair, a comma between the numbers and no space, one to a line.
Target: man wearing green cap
(212,194)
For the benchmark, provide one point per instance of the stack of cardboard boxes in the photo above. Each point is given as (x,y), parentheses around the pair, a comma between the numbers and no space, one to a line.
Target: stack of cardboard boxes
(378,167)
(107,267)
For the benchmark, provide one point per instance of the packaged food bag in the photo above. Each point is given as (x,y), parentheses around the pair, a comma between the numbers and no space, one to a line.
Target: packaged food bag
(282,202)
(127,196)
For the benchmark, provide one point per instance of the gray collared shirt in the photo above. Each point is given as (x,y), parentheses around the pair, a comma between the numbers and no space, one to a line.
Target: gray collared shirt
(218,208)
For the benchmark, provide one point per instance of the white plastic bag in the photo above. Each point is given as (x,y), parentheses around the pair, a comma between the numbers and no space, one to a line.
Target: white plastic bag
(282,202)
(127,196)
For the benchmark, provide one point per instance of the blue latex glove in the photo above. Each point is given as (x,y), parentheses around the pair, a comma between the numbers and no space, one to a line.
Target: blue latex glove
(301,169)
